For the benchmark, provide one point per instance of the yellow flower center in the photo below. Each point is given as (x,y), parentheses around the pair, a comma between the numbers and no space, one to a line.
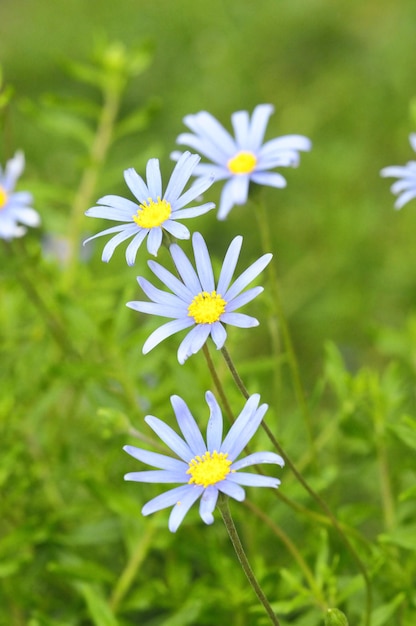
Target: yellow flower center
(3,197)
(151,214)
(207,308)
(242,163)
(209,469)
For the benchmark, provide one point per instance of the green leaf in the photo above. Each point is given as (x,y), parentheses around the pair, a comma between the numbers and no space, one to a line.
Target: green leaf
(383,613)
(97,605)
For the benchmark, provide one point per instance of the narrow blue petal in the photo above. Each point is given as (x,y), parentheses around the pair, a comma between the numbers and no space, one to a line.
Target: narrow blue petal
(164,500)
(259,121)
(26,215)
(203,262)
(198,188)
(207,505)
(206,170)
(114,204)
(134,245)
(215,423)
(182,214)
(183,291)
(193,342)
(200,145)
(226,201)
(176,229)
(247,277)
(109,231)
(272,179)
(170,438)
(239,188)
(287,142)
(158,476)
(243,298)
(239,319)
(229,264)
(161,333)
(159,296)
(180,176)
(253,480)
(154,179)
(218,334)
(405,197)
(188,426)
(155,459)
(186,272)
(13,170)
(153,308)
(241,123)
(256,458)
(111,245)
(182,507)
(136,185)
(231,489)
(154,240)
(243,430)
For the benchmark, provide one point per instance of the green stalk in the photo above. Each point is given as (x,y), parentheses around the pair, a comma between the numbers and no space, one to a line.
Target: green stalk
(224,509)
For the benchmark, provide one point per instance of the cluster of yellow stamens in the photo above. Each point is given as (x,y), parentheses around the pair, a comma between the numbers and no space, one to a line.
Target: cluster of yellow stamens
(3,197)
(242,163)
(152,213)
(209,469)
(207,308)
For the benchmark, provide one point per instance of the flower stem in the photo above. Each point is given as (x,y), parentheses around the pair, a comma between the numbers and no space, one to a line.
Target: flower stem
(322,504)
(241,555)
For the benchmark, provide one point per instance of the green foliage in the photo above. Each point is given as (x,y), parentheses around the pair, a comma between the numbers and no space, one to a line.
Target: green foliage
(74,547)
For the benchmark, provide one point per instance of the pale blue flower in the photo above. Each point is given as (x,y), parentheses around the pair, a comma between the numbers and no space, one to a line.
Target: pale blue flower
(15,208)
(405,187)
(204,468)
(154,212)
(197,300)
(242,159)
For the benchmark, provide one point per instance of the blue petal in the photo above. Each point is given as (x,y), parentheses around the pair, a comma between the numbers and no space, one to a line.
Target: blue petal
(226,201)
(136,185)
(182,214)
(111,245)
(159,296)
(181,508)
(253,480)
(183,291)
(256,458)
(169,498)
(201,185)
(180,176)
(259,121)
(154,240)
(215,423)
(244,427)
(176,229)
(243,298)
(154,179)
(247,277)
(157,476)
(272,179)
(161,333)
(121,208)
(239,319)
(193,342)
(154,308)
(231,489)
(170,438)
(188,426)
(134,245)
(203,263)
(218,334)
(207,505)
(229,264)
(241,123)
(186,271)
(155,459)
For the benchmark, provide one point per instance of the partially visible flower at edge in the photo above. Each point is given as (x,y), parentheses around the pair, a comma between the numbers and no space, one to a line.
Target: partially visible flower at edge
(206,468)
(196,299)
(14,205)
(154,211)
(405,187)
(242,159)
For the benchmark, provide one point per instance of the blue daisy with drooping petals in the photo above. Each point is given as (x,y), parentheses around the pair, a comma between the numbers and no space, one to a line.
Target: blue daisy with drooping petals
(196,299)
(15,208)
(242,159)
(205,468)
(155,211)
(405,187)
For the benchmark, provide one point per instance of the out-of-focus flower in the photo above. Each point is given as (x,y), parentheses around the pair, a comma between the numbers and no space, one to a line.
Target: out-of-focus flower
(242,159)
(155,211)
(405,187)
(15,208)
(205,468)
(197,300)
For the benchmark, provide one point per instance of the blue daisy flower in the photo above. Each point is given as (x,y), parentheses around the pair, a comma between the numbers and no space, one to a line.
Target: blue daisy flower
(205,469)
(197,300)
(15,208)
(405,187)
(155,211)
(242,159)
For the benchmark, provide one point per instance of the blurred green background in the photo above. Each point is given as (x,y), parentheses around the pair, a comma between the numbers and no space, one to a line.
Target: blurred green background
(340,72)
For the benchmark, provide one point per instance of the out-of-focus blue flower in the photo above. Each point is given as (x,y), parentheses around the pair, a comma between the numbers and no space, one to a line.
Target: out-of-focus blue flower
(242,159)
(205,468)
(154,211)
(15,208)
(405,187)
(197,300)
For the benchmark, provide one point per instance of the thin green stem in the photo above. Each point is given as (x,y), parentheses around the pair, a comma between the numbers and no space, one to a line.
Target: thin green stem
(284,327)
(217,382)
(322,504)
(241,555)
(127,576)
(85,191)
